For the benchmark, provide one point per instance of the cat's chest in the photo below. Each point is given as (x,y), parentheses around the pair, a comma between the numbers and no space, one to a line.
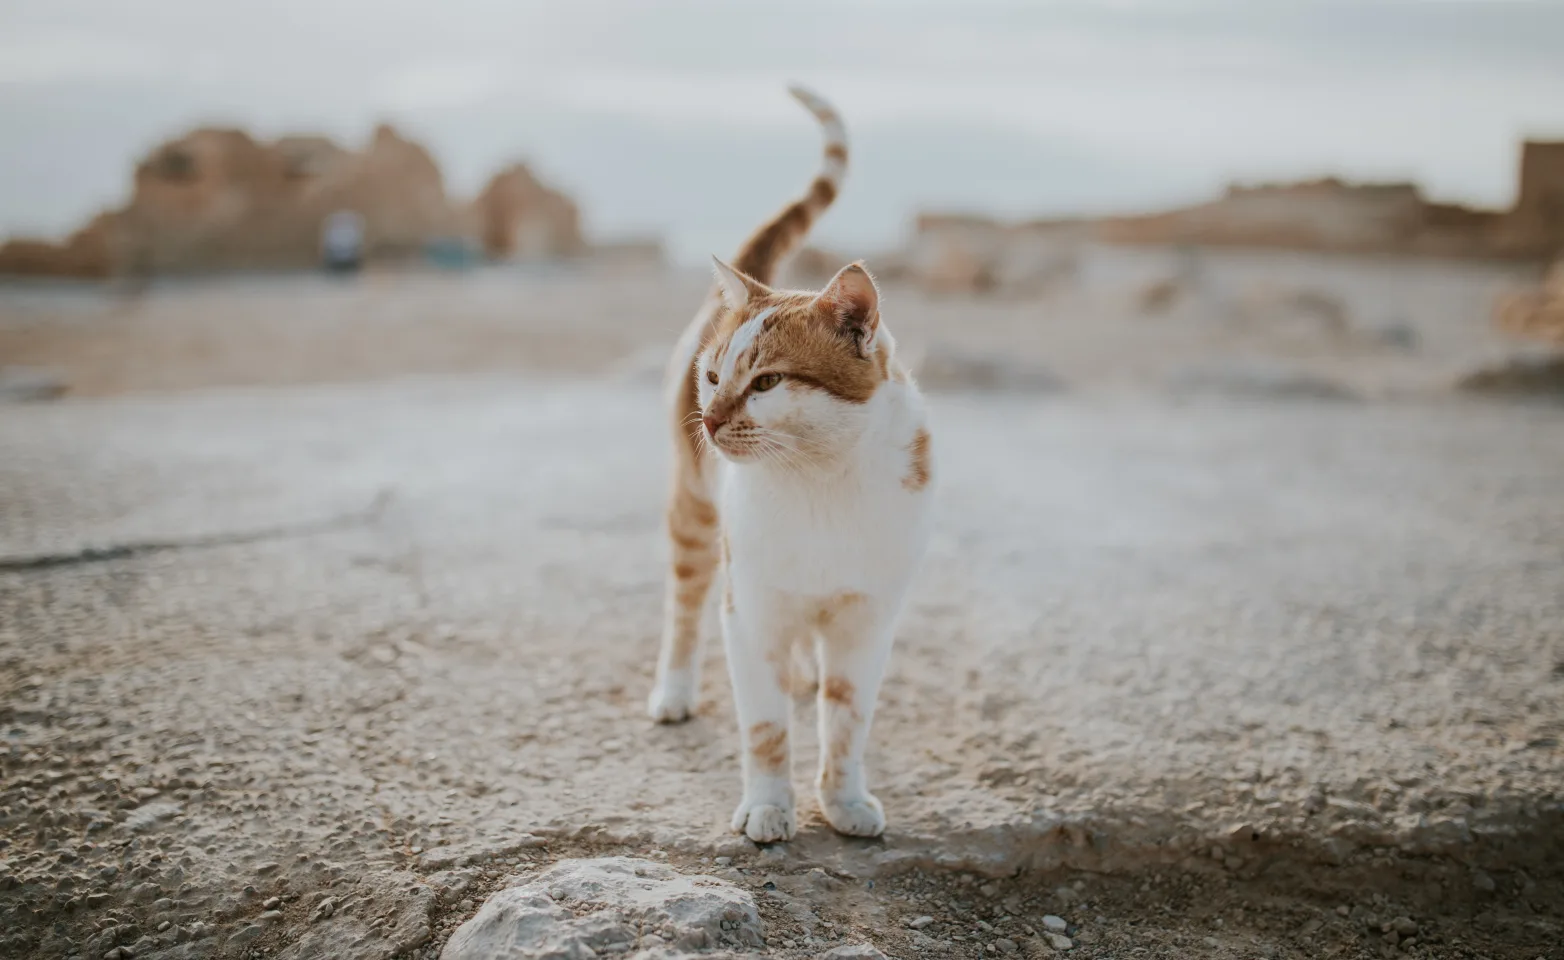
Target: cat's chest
(808,537)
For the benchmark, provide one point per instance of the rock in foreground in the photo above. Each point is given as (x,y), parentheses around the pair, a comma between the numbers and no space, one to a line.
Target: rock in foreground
(580,908)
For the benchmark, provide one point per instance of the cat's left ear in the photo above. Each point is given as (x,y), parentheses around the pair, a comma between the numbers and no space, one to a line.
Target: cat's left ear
(853,303)
(737,288)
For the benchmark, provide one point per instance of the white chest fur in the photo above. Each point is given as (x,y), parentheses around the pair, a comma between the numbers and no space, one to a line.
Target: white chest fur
(858,525)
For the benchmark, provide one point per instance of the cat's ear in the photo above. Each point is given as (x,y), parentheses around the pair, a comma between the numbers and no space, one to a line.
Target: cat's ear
(737,288)
(852,302)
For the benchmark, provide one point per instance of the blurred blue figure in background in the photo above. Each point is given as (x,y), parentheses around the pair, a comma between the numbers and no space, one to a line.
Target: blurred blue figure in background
(342,242)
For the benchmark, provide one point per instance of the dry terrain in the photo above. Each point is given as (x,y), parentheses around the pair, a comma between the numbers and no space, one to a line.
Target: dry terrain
(329,608)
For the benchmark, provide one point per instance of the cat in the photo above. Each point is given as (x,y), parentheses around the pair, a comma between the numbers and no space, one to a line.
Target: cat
(803,470)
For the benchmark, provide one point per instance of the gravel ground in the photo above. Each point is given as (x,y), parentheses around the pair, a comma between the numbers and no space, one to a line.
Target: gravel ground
(1198,678)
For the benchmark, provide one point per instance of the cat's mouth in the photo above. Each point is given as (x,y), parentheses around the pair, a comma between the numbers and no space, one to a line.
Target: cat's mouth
(737,449)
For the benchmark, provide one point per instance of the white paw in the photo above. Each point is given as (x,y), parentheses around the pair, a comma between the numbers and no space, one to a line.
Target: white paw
(672,699)
(764,822)
(855,816)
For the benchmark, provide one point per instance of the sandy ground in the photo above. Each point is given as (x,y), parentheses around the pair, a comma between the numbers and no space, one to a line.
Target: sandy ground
(1203,676)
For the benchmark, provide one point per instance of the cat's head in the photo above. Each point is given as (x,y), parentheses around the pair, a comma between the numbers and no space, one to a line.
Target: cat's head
(786,377)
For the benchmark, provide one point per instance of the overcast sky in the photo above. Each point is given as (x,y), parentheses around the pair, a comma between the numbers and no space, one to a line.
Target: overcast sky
(671,116)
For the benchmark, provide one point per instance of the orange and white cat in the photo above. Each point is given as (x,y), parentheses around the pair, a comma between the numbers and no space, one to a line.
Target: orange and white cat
(803,469)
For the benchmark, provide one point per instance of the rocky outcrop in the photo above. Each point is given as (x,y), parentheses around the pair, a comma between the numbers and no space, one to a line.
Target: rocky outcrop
(217,199)
(1318,214)
(1535,314)
(1333,215)
(967,254)
(519,217)
(954,254)
(84,255)
(579,909)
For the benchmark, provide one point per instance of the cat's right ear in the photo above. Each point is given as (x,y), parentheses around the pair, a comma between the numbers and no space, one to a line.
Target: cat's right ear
(737,289)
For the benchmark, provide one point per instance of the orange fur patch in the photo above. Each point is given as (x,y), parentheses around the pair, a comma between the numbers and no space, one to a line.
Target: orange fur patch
(918,465)
(839,690)
(768,745)
(803,341)
(836,605)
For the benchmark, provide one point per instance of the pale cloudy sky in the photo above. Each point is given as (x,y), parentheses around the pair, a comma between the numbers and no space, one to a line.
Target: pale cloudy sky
(671,116)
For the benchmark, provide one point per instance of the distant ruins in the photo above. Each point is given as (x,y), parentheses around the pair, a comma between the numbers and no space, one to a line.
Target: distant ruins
(954,252)
(216,199)
(1370,218)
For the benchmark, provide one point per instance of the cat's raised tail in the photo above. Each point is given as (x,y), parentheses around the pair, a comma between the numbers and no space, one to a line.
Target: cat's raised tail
(780,235)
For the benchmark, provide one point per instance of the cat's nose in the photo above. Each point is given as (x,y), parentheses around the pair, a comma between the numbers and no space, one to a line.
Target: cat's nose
(713,424)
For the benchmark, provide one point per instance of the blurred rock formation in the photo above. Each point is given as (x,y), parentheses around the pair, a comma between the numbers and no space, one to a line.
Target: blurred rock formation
(519,217)
(217,199)
(957,253)
(1536,314)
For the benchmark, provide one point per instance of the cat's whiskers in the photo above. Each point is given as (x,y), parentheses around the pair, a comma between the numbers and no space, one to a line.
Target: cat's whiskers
(780,445)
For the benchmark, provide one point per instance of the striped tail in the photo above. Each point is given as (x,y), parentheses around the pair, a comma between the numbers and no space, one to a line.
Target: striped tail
(779,236)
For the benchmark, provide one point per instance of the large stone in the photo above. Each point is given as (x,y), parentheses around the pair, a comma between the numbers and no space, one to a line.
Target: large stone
(581,908)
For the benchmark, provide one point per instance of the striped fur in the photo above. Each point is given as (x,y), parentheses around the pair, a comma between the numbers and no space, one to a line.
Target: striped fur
(781,235)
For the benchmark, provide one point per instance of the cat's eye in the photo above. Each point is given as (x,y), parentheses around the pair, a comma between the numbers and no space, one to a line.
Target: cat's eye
(765,382)
(711,376)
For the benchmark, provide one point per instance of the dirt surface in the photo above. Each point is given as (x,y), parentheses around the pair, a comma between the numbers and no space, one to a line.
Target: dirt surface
(1200,677)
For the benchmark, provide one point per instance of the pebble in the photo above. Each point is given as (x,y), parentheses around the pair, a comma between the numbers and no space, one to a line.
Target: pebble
(1056,924)
(920,922)
(1483,882)
(1212,942)
(271,903)
(164,926)
(1059,941)
(1405,926)
(1342,910)
(1005,946)
(723,861)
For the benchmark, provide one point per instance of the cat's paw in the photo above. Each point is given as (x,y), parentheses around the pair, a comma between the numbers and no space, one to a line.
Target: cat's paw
(860,816)
(672,699)
(764,822)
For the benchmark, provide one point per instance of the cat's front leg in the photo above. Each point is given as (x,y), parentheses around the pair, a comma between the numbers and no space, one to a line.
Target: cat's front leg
(767,812)
(855,644)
